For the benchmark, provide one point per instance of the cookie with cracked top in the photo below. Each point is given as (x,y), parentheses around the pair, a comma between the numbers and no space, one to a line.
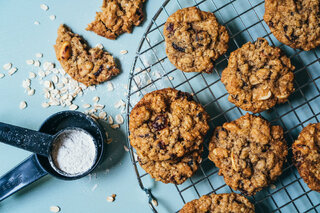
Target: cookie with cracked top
(306,155)
(167,124)
(194,40)
(249,153)
(295,23)
(88,66)
(258,76)
(216,203)
(174,171)
(117,17)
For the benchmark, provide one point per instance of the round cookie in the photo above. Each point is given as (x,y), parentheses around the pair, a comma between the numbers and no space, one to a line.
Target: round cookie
(216,203)
(258,76)
(172,171)
(194,40)
(306,155)
(294,23)
(249,152)
(167,124)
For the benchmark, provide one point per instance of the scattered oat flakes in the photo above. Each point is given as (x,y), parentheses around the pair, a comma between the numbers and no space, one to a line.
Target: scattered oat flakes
(55,209)
(119,104)
(110,199)
(32,75)
(123,52)
(36,23)
(12,70)
(26,83)
(31,92)
(154,202)
(126,148)
(1,75)
(109,140)
(48,65)
(99,106)
(94,187)
(41,74)
(30,61)
(119,119)
(109,86)
(47,84)
(39,55)
(171,78)
(23,105)
(37,63)
(86,106)
(44,7)
(95,99)
(55,79)
(137,69)
(273,186)
(137,80)
(7,66)
(73,107)
(110,119)
(52,17)
(102,115)
(99,45)
(115,126)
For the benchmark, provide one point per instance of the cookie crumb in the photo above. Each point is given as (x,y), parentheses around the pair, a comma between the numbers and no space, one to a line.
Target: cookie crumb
(123,52)
(55,209)
(23,105)
(110,199)
(44,7)
(273,186)
(52,17)
(7,66)
(99,45)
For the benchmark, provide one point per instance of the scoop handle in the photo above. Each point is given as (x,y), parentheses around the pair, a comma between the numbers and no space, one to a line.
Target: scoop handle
(30,140)
(24,174)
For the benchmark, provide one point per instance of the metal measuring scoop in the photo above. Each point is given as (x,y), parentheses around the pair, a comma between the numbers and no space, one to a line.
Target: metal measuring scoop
(40,142)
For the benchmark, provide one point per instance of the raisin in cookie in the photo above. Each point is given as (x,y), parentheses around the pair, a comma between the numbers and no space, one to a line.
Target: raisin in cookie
(167,124)
(258,76)
(194,40)
(306,155)
(117,17)
(295,23)
(174,171)
(218,203)
(249,152)
(88,66)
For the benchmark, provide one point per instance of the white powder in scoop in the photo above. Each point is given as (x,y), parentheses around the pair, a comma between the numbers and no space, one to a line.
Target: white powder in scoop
(74,152)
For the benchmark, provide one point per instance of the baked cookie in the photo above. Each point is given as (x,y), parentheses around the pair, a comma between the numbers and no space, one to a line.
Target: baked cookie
(172,171)
(88,66)
(249,152)
(167,124)
(117,17)
(294,22)
(258,76)
(219,203)
(306,155)
(194,40)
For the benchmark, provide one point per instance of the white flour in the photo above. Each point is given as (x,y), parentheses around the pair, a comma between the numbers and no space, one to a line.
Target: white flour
(73,152)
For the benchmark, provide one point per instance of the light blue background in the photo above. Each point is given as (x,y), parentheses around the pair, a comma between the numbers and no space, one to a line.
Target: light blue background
(20,40)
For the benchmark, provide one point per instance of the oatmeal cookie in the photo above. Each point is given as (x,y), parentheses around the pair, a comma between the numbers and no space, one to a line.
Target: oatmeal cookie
(88,66)
(167,124)
(249,152)
(258,76)
(172,171)
(306,155)
(194,40)
(117,17)
(217,203)
(294,23)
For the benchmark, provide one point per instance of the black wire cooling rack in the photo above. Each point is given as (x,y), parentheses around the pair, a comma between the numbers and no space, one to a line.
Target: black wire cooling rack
(152,70)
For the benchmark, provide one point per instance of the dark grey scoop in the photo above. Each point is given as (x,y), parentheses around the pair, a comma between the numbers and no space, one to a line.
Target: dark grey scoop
(40,142)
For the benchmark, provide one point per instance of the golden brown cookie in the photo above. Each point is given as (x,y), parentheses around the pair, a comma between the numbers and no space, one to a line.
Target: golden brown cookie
(306,155)
(194,40)
(249,152)
(117,17)
(167,124)
(258,76)
(219,203)
(294,22)
(88,66)
(172,171)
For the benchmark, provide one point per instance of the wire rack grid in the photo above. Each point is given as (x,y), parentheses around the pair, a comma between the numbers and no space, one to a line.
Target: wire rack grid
(152,70)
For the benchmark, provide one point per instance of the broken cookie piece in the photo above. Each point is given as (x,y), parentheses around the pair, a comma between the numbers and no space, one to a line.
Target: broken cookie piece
(117,17)
(88,66)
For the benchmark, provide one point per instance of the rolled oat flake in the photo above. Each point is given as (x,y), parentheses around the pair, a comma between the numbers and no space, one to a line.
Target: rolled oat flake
(74,152)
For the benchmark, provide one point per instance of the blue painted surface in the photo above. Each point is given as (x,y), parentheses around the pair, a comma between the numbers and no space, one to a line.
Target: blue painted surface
(20,40)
